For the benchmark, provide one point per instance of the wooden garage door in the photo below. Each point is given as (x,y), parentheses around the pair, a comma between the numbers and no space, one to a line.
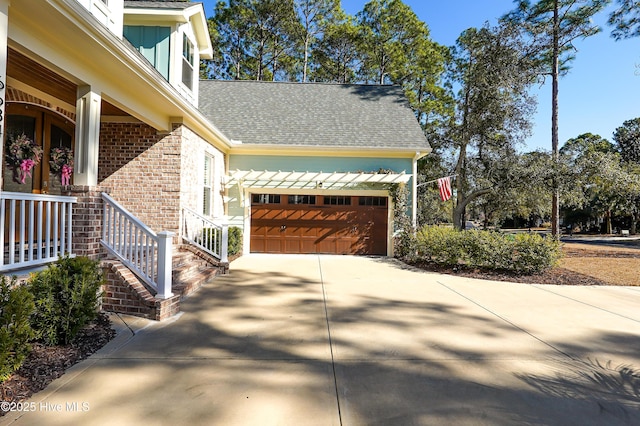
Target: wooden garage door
(318,224)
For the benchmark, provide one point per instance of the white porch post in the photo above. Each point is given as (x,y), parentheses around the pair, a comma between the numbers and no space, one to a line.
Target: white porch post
(165,257)
(4,24)
(224,246)
(87,137)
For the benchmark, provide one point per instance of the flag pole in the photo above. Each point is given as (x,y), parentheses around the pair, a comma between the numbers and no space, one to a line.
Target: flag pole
(435,180)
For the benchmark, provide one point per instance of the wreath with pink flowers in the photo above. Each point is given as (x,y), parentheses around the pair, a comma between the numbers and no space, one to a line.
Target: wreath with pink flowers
(61,162)
(23,154)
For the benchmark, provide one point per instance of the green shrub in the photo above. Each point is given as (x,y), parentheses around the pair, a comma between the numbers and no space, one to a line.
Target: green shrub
(16,307)
(520,254)
(405,244)
(214,235)
(440,245)
(210,238)
(533,254)
(66,296)
(235,240)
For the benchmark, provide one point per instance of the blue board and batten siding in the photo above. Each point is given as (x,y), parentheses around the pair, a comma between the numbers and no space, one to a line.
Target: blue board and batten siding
(153,43)
(236,211)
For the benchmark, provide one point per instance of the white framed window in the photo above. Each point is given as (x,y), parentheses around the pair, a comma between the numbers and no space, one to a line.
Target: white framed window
(187,62)
(207,185)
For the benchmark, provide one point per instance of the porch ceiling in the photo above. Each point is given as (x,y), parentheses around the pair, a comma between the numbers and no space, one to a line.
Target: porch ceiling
(39,77)
(310,180)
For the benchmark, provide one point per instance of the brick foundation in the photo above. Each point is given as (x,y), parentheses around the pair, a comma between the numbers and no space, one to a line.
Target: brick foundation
(125,294)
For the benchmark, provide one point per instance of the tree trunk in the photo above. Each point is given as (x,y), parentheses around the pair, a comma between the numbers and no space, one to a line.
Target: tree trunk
(306,59)
(555,203)
(458,212)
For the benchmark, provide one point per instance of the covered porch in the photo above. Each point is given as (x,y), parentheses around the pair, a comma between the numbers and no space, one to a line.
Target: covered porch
(72,133)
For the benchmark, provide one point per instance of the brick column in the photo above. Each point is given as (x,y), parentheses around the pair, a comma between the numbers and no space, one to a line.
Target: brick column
(87,221)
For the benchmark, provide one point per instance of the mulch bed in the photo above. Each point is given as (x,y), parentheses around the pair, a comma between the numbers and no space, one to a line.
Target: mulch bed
(46,363)
(559,276)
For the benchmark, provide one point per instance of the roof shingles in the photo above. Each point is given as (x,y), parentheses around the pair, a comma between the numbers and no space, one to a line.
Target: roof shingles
(312,114)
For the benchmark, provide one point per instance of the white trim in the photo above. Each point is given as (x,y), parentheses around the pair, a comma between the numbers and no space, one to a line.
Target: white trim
(309,180)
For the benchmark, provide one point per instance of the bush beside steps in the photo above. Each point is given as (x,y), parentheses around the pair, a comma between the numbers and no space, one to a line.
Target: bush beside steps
(51,308)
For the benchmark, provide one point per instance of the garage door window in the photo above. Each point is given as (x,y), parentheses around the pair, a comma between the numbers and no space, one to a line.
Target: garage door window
(337,201)
(265,199)
(302,199)
(373,201)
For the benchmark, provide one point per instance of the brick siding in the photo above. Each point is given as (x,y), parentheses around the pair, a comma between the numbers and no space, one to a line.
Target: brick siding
(142,168)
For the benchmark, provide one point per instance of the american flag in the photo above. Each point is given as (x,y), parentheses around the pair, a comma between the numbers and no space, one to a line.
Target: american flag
(444,185)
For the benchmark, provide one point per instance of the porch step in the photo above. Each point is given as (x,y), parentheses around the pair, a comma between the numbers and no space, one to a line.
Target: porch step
(125,293)
(193,268)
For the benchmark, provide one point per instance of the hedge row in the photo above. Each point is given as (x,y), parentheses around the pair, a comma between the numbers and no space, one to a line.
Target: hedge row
(52,307)
(520,253)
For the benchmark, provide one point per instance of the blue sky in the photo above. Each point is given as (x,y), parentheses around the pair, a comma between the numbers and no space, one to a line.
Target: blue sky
(601,91)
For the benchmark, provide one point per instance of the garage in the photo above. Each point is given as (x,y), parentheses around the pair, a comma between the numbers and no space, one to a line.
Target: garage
(333,224)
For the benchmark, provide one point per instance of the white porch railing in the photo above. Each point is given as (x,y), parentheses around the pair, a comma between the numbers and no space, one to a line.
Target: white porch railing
(35,229)
(143,251)
(208,235)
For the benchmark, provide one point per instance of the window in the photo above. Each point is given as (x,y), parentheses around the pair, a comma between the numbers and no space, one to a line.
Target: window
(373,201)
(265,199)
(207,185)
(337,201)
(302,199)
(187,61)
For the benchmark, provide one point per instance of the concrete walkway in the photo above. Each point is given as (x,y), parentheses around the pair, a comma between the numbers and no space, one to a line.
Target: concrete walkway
(339,340)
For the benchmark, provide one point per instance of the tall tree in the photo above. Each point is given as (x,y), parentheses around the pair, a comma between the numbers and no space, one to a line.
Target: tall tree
(337,56)
(229,29)
(625,19)
(493,110)
(390,32)
(255,38)
(553,26)
(627,139)
(315,16)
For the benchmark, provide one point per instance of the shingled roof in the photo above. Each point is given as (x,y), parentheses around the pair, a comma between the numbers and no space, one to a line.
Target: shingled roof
(312,114)
(158,4)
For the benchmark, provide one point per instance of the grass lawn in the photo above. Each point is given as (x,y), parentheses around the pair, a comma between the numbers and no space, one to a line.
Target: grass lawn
(613,265)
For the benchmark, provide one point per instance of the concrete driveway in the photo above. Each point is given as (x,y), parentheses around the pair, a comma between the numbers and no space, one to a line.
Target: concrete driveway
(340,340)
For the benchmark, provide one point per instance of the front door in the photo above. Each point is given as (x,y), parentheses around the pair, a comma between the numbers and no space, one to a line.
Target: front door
(53,134)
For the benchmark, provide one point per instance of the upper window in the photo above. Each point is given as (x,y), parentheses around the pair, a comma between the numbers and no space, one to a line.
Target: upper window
(187,61)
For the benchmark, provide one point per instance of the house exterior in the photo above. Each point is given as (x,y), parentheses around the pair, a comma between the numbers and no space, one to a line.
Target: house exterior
(305,170)
(113,148)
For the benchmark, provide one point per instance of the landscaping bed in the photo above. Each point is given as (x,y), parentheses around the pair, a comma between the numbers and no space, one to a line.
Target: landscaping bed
(582,264)
(46,363)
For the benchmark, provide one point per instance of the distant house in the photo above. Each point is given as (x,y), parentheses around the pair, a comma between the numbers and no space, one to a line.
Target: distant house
(163,163)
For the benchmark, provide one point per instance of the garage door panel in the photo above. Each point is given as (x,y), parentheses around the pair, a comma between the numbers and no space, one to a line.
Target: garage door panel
(308,228)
